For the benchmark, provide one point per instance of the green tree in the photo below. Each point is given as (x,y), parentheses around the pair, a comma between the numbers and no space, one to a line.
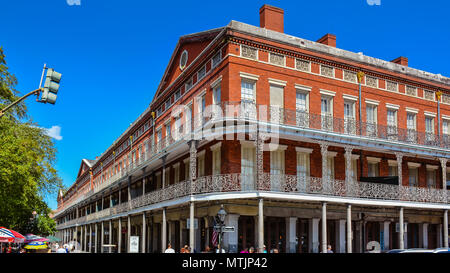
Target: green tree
(27,156)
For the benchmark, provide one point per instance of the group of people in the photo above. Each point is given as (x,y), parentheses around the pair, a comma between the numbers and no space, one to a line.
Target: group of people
(187,249)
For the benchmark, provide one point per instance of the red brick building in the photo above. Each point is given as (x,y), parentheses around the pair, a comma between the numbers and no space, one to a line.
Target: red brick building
(304,144)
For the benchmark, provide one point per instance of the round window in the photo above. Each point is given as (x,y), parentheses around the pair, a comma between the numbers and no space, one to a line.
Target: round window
(183,59)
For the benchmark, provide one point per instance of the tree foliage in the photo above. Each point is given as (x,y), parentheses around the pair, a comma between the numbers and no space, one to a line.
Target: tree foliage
(27,157)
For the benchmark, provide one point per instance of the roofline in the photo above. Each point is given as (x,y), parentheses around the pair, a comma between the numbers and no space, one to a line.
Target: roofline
(336,52)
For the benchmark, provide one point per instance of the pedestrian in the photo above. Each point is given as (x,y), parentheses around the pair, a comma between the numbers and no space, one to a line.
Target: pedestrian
(264,249)
(220,250)
(329,250)
(245,250)
(207,250)
(61,249)
(251,250)
(169,249)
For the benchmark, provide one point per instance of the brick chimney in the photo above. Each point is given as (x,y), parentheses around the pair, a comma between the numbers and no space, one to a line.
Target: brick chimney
(401,60)
(272,18)
(328,39)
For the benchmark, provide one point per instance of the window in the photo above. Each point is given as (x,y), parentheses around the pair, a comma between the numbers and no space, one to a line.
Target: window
(371,119)
(302,65)
(167,177)
(327,71)
(354,171)
(302,165)
(327,113)
(187,170)
(373,170)
(277,59)
(276,103)
(330,164)
(183,59)
(188,85)
(302,107)
(413,177)
(216,94)
(276,168)
(176,173)
(177,94)
(429,125)
(249,52)
(431,178)
(248,166)
(159,139)
(216,157)
(167,104)
(392,124)
(201,73)
(201,109)
(349,117)
(393,170)
(201,164)
(411,127)
(216,59)
(445,126)
(168,134)
(248,99)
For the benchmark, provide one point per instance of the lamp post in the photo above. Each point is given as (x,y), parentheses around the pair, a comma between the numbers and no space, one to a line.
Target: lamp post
(221,214)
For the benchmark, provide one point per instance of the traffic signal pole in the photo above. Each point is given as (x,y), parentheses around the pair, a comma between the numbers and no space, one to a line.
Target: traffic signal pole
(36,92)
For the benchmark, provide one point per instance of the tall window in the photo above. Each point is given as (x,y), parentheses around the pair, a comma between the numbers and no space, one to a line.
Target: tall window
(431,178)
(176,173)
(371,112)
(276,168)
(201,164)
(411,127)
(187,169)
(373,170)
(392,124)
(248,99)
(330,164)
(167,177)
(413,176)
(216,94)
(301,106)
(168,134)
(429,128)
(248,167)
(216,157)
(349,117)
(327,113)
(302,166)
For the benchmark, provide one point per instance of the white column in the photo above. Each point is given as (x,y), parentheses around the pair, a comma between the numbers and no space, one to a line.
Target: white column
(444,172)
(385,228)
(405,236)
(439,235)
(399,168)
(85,238)
(401,233)
(314,234)
(182,224)
(341,235)
(164,231)
(230,239)
(348,163)
(144,229)
(291,232)
(90,238)
(119,235)
(102,237)
(324,152)
(446,228)
(425,235)
(169,232)
(81,238)
(260,225)
(324,227)
(96,238)
(191,227)
(349,229)
(128,232)
(110,235)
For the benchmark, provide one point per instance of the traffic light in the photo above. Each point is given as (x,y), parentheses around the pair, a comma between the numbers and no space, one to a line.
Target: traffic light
(51,86)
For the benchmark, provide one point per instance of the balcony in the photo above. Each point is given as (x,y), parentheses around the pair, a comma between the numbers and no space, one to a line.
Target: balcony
(275,183)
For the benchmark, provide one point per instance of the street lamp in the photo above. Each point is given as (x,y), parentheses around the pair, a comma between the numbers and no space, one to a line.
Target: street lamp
(221,214)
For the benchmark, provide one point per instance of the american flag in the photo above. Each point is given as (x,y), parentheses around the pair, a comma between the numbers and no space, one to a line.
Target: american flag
(215,235)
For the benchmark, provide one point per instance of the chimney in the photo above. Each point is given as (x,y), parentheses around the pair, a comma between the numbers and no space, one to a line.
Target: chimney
(328,39)
(272,18)
(401,60)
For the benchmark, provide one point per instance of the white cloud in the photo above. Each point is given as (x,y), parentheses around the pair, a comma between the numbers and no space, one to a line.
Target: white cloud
(54,132)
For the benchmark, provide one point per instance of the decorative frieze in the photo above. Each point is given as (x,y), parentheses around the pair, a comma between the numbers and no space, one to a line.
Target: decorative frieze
(371,81)
(248,52)
(410,90)
(391,86)
(276,59)
(302,65)
(349,76)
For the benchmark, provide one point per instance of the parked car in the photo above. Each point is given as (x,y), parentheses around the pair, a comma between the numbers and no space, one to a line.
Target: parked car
(442,250)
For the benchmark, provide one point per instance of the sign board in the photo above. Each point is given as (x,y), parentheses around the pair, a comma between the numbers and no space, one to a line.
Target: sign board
(134,244)
(224,228)
(188,223)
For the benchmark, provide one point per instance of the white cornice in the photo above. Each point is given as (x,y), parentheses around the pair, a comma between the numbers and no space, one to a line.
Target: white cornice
(248,76)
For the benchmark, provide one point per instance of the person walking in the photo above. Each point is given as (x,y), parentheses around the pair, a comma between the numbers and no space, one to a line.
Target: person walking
(329,250)
(61,249)
(220,249)
(169,249)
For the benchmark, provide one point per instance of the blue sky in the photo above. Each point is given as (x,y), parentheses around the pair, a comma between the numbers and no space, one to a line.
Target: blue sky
(112,53)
